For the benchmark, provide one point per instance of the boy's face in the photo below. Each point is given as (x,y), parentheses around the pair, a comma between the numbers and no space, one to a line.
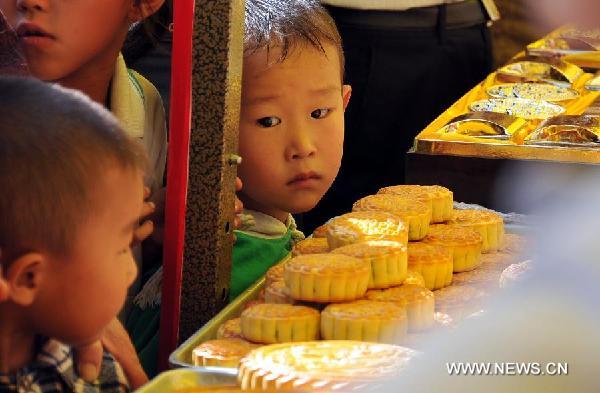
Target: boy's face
(71,36)
(79,296)
(291,129)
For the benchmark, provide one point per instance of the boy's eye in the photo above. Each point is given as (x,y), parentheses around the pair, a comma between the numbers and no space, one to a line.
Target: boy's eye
(319,113)
(267,122)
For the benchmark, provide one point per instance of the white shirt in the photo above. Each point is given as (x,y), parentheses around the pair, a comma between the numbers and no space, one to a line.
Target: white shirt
(138,106)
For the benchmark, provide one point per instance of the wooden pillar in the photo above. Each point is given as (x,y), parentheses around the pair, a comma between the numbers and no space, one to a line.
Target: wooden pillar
(205,105)
(217,54)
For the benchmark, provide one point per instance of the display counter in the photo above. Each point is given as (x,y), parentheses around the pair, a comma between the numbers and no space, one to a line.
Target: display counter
(537,111)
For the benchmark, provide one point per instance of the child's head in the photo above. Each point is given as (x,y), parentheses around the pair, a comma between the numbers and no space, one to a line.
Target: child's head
(71,196)
(293,101)
(63,40)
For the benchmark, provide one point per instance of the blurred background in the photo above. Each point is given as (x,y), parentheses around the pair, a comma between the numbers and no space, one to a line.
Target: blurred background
(515,30)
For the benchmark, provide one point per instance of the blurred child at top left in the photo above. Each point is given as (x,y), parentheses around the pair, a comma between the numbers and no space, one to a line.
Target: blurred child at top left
(77,44)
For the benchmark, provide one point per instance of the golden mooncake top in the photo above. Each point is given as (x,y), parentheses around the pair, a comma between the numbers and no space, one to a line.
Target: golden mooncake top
(230,329)
(326,264)
(414,277)
(329,360)
(419,253)
(414,191)
(402,294)
(450,235)
(278,288)
(279,311)
(439,191)
(224,348)
(371,248)
(474,217)
(368,225)
(275,273)
(391,203)
(409,191)
(366,309)
(456,295)
(320,231)
(311,245)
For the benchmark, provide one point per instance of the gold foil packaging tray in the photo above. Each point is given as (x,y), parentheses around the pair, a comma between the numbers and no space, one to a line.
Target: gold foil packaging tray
(594,83)
(538,68)
(518,107)
(593,34)
(533,91)
(567,130)
(564,45)
(550,47)
(582,40)
(481,124)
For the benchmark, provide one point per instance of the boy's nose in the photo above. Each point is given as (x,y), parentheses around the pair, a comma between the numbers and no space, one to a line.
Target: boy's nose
(32,5)
(301,146)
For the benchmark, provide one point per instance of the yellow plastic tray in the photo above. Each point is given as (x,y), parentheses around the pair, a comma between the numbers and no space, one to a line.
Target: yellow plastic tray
(182,356)
(182,379)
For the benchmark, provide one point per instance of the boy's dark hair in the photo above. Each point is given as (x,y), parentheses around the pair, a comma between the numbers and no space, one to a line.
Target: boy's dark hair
(55,145)
(285,24)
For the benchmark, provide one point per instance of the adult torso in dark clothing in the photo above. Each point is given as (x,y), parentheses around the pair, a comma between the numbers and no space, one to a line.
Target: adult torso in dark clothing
(402,78)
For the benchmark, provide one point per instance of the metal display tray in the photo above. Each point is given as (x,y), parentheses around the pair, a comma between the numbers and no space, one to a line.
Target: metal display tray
(190,378)
(182,356)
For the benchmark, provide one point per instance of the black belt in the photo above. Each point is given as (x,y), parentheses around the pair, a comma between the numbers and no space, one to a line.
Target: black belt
(452,16)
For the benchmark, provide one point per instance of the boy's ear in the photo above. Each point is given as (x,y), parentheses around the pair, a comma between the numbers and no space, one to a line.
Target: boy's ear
(3,287)
(24,278)
(346,93)
(144,9)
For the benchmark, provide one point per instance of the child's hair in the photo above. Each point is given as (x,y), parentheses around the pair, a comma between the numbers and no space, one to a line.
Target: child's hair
(55,145)
(286,24)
